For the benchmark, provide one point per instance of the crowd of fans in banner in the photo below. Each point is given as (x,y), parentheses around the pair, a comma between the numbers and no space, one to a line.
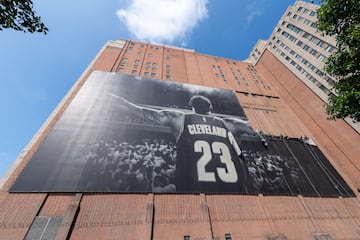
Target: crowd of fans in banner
(149,165)
(137,166)
(271,173)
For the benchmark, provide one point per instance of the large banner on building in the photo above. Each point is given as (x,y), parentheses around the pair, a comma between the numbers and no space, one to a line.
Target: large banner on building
(128,134)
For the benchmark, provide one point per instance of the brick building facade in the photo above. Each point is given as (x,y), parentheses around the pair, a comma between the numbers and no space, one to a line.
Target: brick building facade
(275,102)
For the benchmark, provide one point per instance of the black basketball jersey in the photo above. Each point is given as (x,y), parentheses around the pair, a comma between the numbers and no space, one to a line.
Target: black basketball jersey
(206,159)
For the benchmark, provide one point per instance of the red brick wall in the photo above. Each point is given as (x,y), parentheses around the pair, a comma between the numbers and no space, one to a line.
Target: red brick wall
(274,100)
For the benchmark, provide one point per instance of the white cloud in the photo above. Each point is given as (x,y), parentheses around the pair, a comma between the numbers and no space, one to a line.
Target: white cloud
(255,9)
(162,21)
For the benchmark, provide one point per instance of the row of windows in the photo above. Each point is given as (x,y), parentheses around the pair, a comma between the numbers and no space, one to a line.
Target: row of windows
(300,58)
(289,36)
(150,68)
(303,71)
(304,21)
(306,11)
(308,36)
(156,48)
(227,61)
(221,74)
(307,48)
(256,77)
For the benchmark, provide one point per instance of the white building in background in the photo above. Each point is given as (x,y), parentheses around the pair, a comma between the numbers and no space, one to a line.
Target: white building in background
(296,42)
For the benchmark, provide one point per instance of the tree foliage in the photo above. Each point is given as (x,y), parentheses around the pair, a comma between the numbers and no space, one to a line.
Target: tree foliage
(19,15)
(341,19)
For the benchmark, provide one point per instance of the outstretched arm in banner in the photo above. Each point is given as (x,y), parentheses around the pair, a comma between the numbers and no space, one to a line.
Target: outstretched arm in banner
(168,117)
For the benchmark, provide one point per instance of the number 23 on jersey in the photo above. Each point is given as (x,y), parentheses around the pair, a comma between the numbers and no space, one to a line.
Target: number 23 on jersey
(226,174)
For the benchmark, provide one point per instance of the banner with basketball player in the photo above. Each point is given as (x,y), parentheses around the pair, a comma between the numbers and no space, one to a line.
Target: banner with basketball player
(129,134)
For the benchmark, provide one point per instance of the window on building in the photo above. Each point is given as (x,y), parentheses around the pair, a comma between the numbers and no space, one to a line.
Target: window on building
(306,47)
(134,71)
(187,237)
(294,28)
(168,58)
(323,88)
(140,53)
(153,69)
(329,49)
(227,236)
(320,43)
(293,63)
(299,43)
(292,52)
(120,69)
(167,77)
(307,22)
(313,52)
(312,13)
(306,35)
(146,74)
(320,73)
(321,57)
(313,39)
(124,60)
(148,64)
(289,36)
(330,81)
(295,16)
(300,9)
(289,14)
(137,61)
(153,74)
(306,11)
(150,54)
(311,78)
(304,61)
(154,64)
(313,25)
(169,67)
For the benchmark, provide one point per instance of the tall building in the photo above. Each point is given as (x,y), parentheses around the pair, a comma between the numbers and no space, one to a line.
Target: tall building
(298,45)
(295,190)
(160,142)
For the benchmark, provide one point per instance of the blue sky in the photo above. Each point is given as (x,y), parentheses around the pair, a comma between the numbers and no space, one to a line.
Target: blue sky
(37,70)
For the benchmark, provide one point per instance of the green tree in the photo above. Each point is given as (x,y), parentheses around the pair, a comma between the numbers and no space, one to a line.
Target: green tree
(341,19)
(19,15)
